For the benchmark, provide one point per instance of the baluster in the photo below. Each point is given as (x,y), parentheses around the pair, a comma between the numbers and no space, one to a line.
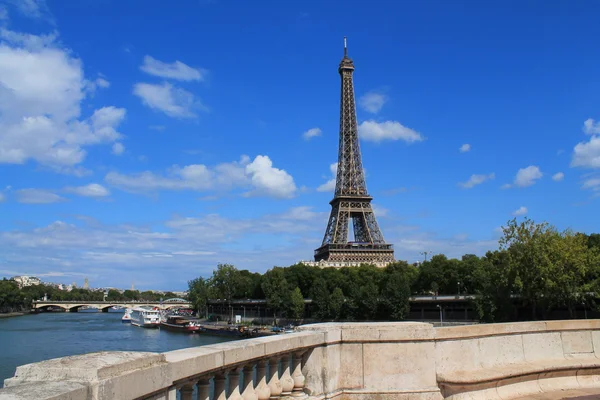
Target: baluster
(204,388)
(220,387)
(263,392)
(274,383)
(172,393)
(234,385)
(297,375)
(186,391)
(287,382)
(249,393)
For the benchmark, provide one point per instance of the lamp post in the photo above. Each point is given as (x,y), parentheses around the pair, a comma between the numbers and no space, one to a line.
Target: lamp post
(244,307)
(441,315)
(458,287)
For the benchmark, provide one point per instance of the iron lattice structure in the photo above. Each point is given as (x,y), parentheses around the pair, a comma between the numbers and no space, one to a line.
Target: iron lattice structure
(351,200)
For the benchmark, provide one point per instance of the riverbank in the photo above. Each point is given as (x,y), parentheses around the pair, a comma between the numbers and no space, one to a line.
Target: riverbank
(11,314)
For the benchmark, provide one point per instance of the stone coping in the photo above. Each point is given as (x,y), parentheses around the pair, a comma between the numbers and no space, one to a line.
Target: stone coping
(496,374)
(513,328)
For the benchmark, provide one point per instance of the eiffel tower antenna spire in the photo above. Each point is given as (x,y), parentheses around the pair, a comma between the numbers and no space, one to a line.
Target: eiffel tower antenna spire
(351,201)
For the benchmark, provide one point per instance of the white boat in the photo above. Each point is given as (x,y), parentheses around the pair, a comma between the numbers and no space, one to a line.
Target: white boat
(127,316)
(145,317)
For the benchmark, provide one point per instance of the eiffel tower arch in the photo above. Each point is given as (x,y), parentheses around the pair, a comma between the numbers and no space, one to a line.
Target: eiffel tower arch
(351,201)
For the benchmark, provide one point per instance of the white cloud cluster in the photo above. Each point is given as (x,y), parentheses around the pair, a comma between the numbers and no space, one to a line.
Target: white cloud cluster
(37,196)
(91,190)
(31,8)
(311,133)
(165,97)
(259,176)
(372,101)
(591,127)
(176,70)
(465,148)
(476,179)
(41,90)
(557,177)
(329,186)
(190,245)
(389,130)
(520,211)
(118,148)
(171,100)
(587,154)
(525,177)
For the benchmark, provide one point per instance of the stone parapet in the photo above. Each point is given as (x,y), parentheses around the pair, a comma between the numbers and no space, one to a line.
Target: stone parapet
(353,361)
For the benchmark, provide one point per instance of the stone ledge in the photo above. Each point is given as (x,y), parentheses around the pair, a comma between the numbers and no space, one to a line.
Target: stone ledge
(46,391)
(89,367)
(513,328)
(479,376)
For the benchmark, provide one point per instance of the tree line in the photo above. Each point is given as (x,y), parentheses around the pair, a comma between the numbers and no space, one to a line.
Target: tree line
(13,299)
(536,267)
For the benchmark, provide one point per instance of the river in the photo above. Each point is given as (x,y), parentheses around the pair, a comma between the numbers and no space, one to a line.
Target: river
(38,337)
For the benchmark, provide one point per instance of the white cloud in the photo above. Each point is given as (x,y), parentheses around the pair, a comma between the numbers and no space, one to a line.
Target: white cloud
(587,154)
(31,8)
(465,148)
(176,70)
(41,90)
(372,102)
(520,211)
(311,133)
(270,181)
(380,212)
(259,176)
(591,127)
(389,130)
(2,197)
(329,186)
(525,177)
(118,148)
(37,196)
(476,179)
(557,177)
(103,83)
(173,101)
(91,190)
(3,13)
(592,183)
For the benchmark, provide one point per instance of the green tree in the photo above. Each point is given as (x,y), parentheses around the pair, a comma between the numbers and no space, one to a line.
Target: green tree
(295,307)
(276,289)
(131,294)
(225,281)
(336,304)
(321,300)
(198,294)
(113,295)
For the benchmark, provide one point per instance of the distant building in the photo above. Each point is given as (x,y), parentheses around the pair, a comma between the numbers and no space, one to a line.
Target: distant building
(86,284)
(24,281)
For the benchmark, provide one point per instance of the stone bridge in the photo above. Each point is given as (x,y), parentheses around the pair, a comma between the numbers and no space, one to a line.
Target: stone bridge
(73,306)
(345,361)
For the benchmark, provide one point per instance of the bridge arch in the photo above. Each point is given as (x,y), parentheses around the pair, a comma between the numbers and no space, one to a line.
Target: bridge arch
(47,306)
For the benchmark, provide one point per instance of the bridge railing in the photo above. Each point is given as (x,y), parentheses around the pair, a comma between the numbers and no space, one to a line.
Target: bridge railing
(349,361)
(318,361)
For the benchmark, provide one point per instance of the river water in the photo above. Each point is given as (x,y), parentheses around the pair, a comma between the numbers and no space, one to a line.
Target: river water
(38,337)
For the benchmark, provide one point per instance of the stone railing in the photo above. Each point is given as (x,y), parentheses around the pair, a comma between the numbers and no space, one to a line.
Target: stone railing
(354,361)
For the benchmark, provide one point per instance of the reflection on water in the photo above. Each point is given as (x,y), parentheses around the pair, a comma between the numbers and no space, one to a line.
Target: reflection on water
(33,338)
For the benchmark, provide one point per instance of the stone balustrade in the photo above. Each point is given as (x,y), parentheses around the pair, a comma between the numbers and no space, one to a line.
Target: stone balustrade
(354,361)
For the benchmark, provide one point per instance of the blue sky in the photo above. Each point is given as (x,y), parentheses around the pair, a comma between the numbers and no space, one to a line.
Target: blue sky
(148,141)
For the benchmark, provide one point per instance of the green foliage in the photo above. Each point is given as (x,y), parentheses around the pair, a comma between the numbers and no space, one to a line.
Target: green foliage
(276,288)
(295,306)
(199,293)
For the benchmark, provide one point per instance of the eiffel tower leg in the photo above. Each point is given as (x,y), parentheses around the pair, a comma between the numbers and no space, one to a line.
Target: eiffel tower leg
(337,227)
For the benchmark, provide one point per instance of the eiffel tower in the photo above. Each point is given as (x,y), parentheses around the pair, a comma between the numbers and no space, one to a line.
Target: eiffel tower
(351,199)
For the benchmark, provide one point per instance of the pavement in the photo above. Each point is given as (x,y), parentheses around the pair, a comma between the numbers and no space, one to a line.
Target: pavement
(579,394)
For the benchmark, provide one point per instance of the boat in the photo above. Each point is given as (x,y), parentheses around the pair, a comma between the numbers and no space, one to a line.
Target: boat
(177,323)
(127,316)
(145,317)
